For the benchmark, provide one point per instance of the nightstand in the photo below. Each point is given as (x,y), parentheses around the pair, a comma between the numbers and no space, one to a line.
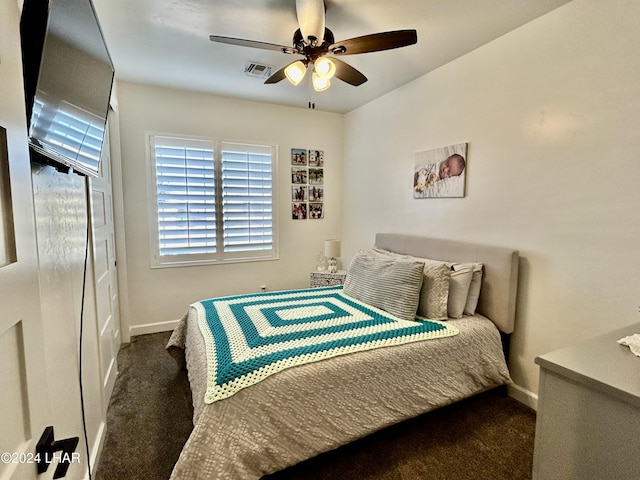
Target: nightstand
(326,279)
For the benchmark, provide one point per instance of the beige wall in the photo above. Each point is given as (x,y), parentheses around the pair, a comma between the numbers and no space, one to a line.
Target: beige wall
(158,296)
(551,113)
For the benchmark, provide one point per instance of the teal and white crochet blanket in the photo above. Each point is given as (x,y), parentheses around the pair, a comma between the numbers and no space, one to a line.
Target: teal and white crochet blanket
(250,337)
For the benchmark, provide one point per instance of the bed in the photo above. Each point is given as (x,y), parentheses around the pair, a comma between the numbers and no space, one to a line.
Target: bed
(300,411)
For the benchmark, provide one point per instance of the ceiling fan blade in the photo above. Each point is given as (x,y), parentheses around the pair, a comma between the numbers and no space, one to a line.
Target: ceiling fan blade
(375,42)
(347,73)
(252,43)
(311,19)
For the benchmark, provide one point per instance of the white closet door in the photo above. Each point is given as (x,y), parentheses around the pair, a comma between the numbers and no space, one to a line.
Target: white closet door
(25,405)
(106,279)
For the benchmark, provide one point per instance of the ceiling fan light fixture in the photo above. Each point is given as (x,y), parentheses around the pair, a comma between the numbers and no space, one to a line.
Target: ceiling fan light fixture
(295,72)
(325,68)
(320,84)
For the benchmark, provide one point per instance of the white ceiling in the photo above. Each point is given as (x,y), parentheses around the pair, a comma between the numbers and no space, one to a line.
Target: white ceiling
(166,42)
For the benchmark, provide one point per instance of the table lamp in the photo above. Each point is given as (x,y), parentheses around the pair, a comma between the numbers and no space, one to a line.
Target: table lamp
(331,251)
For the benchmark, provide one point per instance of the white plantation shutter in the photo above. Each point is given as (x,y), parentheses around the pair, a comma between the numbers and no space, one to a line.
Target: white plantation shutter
(247,186)
(214,201)
(185,186)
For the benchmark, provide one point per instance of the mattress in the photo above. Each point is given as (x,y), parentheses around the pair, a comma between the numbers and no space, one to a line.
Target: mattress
(309,409)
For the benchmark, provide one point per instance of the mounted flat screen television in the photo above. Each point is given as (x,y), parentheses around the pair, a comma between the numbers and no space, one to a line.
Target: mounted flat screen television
(68,76)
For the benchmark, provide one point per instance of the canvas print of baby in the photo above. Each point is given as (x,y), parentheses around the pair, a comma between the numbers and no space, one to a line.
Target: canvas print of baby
(440,172)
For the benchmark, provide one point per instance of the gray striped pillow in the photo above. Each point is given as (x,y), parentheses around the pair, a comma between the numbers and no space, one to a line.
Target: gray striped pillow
(434,295)
(390,285)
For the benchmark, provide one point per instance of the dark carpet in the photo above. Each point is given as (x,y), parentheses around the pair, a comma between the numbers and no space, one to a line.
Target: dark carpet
(489,436)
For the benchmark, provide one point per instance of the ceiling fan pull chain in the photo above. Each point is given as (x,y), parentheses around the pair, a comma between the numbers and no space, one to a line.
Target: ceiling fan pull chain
(312,104)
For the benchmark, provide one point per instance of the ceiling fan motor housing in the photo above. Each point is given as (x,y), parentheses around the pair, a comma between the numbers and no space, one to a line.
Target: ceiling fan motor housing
(313,50)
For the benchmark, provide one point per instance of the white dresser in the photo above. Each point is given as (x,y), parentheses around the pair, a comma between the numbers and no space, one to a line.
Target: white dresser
(588,420)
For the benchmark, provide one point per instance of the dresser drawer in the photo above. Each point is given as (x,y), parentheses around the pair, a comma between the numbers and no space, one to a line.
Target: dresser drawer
(326,279)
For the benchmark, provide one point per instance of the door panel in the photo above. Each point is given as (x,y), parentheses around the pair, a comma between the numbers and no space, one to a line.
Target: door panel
(7,234)
(23,396)
(105,274)
(13,395)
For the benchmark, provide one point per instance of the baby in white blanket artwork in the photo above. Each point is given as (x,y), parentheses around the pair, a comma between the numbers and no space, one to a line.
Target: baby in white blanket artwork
(439,179)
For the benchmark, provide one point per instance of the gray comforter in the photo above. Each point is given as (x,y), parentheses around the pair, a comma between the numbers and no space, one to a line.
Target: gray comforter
(306,410)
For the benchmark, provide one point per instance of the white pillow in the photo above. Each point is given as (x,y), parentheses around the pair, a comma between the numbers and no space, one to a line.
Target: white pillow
(474,290)
(461,275)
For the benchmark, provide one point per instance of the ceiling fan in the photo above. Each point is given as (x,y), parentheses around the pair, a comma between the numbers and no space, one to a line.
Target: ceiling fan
(317,45)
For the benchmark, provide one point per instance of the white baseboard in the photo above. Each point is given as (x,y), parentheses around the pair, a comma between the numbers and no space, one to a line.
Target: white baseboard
(98,445)
(153,327)
(530,399)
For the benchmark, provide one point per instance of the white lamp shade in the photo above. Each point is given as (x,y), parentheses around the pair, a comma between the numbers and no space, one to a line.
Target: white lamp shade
(324,67)
(320,84)
(295,72)
(331,248)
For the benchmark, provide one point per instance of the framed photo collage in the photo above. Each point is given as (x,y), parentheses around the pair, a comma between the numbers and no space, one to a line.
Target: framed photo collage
(307,184)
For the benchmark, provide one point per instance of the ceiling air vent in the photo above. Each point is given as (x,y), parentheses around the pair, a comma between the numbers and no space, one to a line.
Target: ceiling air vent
(259,70)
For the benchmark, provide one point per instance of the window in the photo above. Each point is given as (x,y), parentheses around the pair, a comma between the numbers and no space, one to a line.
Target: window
(213,201)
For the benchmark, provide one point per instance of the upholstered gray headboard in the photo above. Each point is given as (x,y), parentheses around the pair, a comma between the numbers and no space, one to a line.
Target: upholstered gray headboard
(499,281)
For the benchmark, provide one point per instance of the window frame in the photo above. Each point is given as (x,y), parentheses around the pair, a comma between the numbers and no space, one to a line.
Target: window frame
(219,257)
